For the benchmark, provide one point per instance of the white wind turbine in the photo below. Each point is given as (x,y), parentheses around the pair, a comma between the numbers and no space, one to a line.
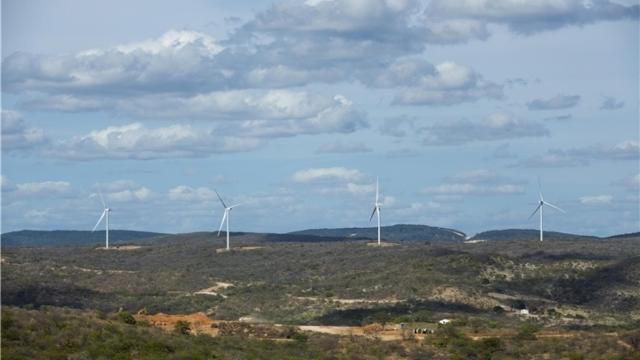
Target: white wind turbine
(376,210)
(227,214)
(105,215)
(540,209)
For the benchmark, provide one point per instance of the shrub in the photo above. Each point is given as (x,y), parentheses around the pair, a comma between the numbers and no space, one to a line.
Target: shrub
(182,327)
(126,318)
(527,331)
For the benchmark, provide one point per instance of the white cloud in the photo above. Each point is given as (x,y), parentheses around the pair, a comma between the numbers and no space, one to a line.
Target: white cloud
(596,199)
(139,194)
(6,184)
(475,182)
(554,103)
(611,103)
(498,126)
(44,188)
(17,135)
(178,59)
(331,174)
(581,156)
(188,193)
(136,141)
(342,147)
(532,16)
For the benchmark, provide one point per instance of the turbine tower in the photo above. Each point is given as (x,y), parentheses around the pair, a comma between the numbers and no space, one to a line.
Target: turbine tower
(105,215)
(376,210)
(227,215)
(540,209)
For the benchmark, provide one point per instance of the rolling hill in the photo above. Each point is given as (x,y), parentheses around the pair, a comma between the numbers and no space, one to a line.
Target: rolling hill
(401,232)
(526,234)
(71,237)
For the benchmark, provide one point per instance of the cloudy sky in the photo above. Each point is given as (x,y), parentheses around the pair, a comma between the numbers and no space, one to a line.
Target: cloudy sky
(293,108)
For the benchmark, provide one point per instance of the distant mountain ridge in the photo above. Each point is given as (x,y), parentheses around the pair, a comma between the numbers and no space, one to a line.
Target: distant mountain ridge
(525,234)
(72,237)
(400,232)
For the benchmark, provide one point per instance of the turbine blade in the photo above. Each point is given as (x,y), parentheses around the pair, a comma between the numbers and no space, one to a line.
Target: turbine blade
(238,204)
(375,208)
(99,220)
(555,207)
(377,190)
(534,211)
(222,222)
(220,198)
(540,189)
(104,205)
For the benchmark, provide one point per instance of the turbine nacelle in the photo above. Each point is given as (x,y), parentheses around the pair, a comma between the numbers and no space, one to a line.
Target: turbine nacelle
(539,209)
(225,216)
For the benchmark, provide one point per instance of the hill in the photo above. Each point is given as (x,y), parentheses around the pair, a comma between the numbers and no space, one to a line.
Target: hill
(526,234)
(625,236)
(72,237)
(588,287)
(399,232)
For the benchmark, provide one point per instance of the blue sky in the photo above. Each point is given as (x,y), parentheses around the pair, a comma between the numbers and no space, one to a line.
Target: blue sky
(293,108)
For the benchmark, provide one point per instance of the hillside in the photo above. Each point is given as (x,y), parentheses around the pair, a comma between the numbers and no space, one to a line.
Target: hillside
(634,235)
(72,237)
(587,289)
(399,232)
(526,234)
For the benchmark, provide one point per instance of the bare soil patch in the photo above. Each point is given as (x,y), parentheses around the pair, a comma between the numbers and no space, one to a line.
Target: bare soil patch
(199,322)
(382,244)
(241,248)
(215,290)
(121,248)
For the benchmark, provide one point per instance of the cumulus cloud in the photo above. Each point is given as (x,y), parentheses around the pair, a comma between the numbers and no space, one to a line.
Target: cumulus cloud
(596,200)
(136,141)
(188,193)
(341,117)
(17,135)
(611,103)
(476,182)
(290,44)
(580,156)
(631,183)
(447,84)
(498,126)
(341,147)
(554,103)
(177,61)
(331,174)
(397,126)
(122,191)
(533,16)
(43,188)
(564,117)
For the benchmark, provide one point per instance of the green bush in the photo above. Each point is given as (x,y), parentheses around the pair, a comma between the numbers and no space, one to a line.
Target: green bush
(126,318)
(527,331)
(182,327)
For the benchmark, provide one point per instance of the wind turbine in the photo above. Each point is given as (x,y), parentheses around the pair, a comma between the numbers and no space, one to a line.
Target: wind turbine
(376,210)
(227,214)
(105,214)
(540,208)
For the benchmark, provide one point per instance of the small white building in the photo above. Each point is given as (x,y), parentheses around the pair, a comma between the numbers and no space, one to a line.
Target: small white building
(444,321)
(523,312)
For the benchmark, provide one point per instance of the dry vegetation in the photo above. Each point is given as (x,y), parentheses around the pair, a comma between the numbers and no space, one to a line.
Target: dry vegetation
(583,297)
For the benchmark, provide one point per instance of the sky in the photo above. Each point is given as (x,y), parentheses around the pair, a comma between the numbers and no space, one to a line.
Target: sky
(463,109)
